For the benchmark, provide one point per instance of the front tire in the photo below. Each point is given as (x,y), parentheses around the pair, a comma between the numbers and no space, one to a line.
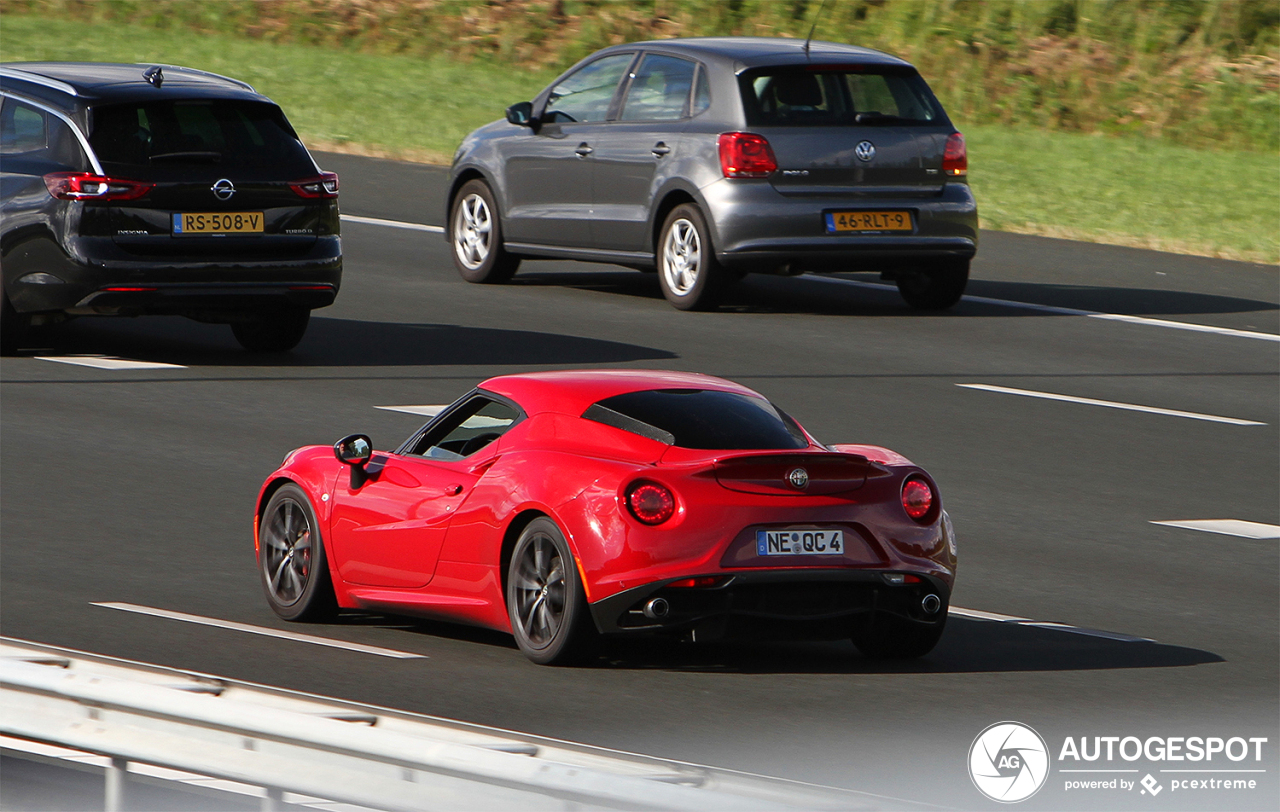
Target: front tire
(545,601)
(291,558)
(883,636)
(691,276)
(935,288)
(275,330)
(13,327)
(476,235)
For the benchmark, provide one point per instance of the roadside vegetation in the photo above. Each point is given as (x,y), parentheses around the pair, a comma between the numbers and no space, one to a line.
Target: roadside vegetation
(1157,128)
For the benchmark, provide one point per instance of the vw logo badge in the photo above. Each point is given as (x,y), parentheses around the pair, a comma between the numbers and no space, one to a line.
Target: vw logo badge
(799,478)
(223,189)
(1008,762)
(865,150)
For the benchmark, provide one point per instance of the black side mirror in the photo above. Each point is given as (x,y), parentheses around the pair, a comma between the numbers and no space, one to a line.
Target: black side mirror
(355,450)
(521,113)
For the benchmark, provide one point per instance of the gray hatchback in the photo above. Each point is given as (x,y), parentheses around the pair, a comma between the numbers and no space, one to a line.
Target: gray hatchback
(706,159)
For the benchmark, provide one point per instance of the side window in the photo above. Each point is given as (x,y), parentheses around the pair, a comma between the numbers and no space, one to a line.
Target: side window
(28,133)
(477,423)
(701,93)
(660,89)
(585,94)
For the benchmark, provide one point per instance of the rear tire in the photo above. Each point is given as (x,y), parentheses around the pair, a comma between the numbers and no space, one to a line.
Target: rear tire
(935,288)
(548,609)
(13,327)
(890,637)
(275,330)
(291,558)
(475,232)
(691,276)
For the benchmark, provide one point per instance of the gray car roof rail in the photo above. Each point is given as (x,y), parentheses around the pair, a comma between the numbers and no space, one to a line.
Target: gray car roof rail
(37,79)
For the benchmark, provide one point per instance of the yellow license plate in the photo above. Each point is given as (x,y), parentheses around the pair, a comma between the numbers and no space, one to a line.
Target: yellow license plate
(222,222)
(868,221)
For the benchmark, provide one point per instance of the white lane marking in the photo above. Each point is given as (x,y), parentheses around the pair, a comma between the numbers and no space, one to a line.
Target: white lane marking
(424,411)
(378,221)
(1228,527)
(977,614)
(244,627)
(1110,404)
(1070,311)
(106,362)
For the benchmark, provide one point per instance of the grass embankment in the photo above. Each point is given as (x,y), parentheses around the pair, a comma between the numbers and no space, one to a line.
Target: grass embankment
(1129,190)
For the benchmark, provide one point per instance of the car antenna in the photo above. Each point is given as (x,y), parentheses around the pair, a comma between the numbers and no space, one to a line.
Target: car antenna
(813,27)
(153,75)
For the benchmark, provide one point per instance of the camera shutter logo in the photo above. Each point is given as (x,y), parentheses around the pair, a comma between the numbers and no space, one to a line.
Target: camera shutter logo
(1008,762)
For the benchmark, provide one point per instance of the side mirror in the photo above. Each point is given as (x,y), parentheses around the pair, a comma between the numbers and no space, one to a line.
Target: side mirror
(521,113)
(354,450)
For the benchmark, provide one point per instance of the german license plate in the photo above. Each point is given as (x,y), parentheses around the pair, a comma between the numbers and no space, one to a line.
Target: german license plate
(800,542)
(223,222)
(838,221)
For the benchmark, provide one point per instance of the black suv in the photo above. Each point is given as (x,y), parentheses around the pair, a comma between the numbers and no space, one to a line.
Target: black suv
(705,159)
(128,190)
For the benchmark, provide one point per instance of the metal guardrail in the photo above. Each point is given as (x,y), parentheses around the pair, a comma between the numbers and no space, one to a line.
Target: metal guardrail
(287,742)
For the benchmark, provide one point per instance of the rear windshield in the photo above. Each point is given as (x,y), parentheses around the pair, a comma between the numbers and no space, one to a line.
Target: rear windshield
(837,96)
(700,418)
(146,138)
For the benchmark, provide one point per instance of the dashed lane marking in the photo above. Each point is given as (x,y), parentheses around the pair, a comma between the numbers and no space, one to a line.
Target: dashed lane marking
(1070,311)
(378,221)
(423,411)
(1228,527)
(245,627)
(1131,407)
(976,614)
(106,362)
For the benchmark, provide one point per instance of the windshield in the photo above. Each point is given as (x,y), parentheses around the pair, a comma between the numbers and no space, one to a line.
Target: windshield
(700,418)
(146,138)
(837,96)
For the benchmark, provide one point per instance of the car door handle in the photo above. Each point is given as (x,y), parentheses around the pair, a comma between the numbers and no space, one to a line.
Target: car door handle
(660,149)
(583,150)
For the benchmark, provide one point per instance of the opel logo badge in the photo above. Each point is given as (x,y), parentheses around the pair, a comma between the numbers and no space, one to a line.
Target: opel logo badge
(223,189)
(799,478)
(865,150)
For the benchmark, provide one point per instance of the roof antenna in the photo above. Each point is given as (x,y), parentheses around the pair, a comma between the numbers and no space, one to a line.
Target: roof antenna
(816,17)
(155,76)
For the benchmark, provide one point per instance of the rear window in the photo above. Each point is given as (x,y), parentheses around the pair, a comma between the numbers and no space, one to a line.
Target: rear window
(700,418)
(147,138)
(838,96)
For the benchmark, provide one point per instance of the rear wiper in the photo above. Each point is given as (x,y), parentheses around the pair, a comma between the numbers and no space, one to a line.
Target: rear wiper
(211,157)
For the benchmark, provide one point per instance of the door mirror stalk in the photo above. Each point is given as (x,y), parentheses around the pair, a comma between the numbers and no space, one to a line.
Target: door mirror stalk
(355,450)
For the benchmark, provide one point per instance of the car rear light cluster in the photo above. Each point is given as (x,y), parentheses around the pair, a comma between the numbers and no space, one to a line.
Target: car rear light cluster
(955,157)
(326,185)
(650,502)
(746,155)
(699,582)
(88,186)
(917,498)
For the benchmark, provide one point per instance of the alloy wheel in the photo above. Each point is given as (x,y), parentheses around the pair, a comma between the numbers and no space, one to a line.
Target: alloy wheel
(681,257)
(540,591)
(287,552)
(472,230)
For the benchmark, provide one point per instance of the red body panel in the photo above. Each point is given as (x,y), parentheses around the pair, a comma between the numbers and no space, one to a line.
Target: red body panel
(427,537)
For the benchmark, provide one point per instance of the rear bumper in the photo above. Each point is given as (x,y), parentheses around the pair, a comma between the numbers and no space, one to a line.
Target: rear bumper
(773,604)
(207,302)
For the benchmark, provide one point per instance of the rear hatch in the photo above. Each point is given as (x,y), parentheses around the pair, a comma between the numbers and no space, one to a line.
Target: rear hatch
(812,474)
(848,130)
(228,181)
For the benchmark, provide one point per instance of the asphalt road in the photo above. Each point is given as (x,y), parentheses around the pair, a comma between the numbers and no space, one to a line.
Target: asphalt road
(137,486)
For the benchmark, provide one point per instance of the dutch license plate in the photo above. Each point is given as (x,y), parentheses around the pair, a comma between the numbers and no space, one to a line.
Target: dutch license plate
(800,542)
(233,222)
(868,221)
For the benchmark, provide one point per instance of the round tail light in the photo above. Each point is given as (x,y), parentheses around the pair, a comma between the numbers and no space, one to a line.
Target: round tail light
(917,498)
(650,502)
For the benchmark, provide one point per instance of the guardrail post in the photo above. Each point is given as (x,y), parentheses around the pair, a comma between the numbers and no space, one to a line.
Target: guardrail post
(117,773)
(272,800)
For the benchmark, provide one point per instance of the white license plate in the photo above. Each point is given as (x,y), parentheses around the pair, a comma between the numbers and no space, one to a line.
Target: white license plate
(800,542)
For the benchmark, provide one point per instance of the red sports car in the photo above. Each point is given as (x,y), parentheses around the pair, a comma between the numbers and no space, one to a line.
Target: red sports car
(561,506)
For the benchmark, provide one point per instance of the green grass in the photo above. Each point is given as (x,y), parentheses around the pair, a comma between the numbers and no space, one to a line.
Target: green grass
(1126,190)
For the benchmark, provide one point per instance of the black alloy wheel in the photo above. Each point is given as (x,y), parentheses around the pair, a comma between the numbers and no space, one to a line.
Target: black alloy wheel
(935,288)
(275,330)
(475,232)
(291,558)
(549,615)
(691,276)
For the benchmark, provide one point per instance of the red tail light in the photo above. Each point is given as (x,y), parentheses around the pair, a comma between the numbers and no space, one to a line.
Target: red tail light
(88,186)
(955,158)
(917,498)
(326,185)
(650,502)
(746,155)
(701,581)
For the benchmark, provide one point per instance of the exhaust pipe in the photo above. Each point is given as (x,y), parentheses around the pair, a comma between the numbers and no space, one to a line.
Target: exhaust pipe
(931,604)
(656,608)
